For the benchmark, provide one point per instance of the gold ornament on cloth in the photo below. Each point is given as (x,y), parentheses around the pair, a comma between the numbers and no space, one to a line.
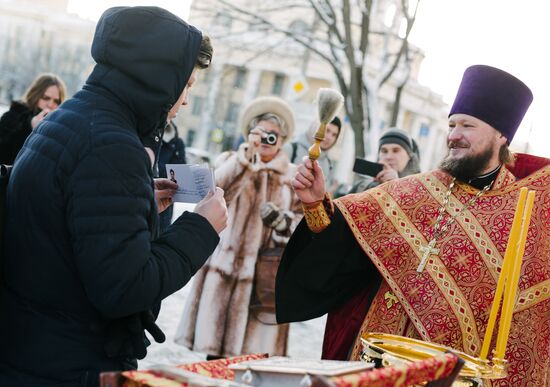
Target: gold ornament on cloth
(318,214)
(439,229)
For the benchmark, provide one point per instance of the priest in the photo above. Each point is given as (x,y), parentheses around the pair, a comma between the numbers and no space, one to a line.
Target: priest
(421,256)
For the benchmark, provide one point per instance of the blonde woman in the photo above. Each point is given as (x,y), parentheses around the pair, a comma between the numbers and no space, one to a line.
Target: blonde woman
(44,95)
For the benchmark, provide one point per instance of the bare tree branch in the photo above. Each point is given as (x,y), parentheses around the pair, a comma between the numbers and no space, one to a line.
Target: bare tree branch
(285,7)
(365,29)
(349,49)
(327,19)
(334,51)
(341,38)
(262,52)
(278,29)
(405,41)
(333,27)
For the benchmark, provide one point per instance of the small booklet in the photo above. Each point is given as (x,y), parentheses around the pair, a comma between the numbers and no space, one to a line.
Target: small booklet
(194,181)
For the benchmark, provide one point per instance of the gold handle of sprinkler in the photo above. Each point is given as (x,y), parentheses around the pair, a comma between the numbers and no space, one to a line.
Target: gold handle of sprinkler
(315,149)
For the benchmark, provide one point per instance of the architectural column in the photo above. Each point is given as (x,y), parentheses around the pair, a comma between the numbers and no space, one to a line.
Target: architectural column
(209,113)
(252,83)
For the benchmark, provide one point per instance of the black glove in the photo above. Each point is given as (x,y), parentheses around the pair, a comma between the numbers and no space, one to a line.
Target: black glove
(125,337)
(148,321)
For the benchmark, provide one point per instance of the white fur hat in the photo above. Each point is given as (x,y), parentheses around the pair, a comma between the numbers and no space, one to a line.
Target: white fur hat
(263,105)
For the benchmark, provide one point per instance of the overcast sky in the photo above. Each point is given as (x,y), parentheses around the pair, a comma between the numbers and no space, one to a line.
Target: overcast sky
(511,35)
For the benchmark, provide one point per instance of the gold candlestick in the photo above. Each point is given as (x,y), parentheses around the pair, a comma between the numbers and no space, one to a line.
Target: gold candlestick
(508,257)
(513,280)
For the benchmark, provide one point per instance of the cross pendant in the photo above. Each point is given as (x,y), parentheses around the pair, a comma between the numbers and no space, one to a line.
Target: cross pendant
(390,299)
(427,250)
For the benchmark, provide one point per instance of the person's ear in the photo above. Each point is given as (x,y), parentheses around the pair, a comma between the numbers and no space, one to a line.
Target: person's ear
(502,139)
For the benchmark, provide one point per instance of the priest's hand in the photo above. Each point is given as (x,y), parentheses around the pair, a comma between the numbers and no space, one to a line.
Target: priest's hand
(309,182)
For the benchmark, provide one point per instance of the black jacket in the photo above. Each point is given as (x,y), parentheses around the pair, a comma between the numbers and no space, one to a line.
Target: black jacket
(171,152)
(81,254)
(15,127)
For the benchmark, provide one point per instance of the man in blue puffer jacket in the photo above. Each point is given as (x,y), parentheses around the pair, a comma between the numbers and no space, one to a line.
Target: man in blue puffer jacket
(83,267)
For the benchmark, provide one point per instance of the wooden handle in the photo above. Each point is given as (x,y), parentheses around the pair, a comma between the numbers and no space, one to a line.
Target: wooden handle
(315,149)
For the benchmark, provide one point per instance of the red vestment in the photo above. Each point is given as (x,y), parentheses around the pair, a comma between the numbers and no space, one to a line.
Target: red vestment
(450,301)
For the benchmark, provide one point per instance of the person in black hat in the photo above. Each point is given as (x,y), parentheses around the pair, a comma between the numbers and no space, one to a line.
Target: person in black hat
(483,120)
(400,155)
(85,268)
(299,147)
(421,256)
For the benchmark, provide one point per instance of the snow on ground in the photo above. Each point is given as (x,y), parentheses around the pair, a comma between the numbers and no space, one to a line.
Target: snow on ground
(305,338)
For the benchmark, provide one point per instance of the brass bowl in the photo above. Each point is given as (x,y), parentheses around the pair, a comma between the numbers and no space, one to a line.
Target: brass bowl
(393,350)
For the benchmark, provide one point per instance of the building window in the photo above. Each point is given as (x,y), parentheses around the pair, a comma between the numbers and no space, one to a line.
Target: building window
(278,82)
(424,130)
(232,112)
(240,76)
(196,108)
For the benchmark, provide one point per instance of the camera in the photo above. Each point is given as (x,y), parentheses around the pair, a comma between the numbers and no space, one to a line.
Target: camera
(270,139)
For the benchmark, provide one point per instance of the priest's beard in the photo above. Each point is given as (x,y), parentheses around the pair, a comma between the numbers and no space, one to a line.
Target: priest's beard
(466,168)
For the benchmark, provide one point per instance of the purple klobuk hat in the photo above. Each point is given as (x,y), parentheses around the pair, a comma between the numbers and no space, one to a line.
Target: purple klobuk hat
(493,96)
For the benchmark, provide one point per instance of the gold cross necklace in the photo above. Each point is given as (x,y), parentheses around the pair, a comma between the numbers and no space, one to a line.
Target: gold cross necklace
(429,249)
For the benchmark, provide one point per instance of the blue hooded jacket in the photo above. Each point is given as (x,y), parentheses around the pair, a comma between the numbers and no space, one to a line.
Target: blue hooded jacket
(81,251)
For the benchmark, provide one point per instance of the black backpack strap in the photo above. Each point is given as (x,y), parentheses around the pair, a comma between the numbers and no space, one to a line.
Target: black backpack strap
(294,148)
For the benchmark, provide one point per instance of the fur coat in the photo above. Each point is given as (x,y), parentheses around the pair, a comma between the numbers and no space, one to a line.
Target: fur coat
(216,318)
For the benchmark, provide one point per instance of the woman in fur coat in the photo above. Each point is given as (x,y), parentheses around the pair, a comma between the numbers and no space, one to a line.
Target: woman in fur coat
(263,210)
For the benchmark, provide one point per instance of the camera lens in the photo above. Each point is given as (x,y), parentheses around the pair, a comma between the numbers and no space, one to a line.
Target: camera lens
(271,139)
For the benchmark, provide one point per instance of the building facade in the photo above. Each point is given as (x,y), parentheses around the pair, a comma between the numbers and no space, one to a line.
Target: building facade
(40,36)
(249,61)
